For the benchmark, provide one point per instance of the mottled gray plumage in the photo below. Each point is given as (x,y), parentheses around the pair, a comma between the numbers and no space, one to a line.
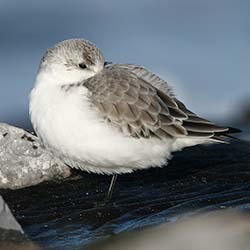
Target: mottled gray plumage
(141,104)
(110,118)
(81,50)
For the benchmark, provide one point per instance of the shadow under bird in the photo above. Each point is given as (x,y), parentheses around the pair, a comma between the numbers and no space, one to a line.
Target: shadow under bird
(110,118)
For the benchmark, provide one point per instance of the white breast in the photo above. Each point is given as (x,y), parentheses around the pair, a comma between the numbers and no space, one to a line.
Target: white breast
(71,128)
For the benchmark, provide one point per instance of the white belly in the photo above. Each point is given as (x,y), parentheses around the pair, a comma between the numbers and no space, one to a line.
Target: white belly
(75,132)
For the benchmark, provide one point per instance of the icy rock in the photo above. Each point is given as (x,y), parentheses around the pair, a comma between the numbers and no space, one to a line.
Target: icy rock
(23,160)
(11,233)
(7,220)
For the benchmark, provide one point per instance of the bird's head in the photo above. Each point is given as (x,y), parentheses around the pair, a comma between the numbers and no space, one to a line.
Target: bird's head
(71,61)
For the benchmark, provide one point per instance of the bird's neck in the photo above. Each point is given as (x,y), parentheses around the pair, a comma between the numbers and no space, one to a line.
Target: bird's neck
(49,78)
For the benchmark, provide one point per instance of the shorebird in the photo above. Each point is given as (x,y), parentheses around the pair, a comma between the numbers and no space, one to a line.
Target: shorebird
(110,118)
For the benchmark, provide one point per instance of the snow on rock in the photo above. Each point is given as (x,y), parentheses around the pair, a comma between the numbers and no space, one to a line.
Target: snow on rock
(23,160)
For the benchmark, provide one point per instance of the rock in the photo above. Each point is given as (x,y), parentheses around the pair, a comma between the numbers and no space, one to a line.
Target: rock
(23,160)
(217,231)
(7,220)
(11,233)
(71,213)
(19,246)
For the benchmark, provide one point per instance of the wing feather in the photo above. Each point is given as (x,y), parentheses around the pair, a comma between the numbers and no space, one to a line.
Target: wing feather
(141,104)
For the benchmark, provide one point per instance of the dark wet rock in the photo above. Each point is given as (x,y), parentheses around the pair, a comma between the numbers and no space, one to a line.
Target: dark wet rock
(217,231)
(23,162)
(72,213)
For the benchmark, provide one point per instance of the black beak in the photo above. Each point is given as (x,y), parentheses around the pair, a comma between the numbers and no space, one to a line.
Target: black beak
(107,63)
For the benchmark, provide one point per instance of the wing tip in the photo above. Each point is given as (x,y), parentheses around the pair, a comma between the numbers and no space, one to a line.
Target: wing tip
(232,130)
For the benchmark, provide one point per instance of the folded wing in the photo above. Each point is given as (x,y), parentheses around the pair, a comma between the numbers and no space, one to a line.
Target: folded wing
(142,105)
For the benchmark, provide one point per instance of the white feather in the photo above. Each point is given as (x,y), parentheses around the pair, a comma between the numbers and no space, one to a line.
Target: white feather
(73,130)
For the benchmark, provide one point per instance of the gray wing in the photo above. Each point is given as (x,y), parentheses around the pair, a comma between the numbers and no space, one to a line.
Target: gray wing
(147,76)
(137,102)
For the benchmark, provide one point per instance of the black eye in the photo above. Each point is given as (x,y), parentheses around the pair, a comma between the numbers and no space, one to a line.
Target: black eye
(82,66)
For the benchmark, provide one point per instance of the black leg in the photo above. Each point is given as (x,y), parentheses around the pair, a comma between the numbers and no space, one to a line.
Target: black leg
(111,186)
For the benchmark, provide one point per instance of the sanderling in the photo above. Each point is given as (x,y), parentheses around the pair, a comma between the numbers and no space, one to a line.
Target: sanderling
(110,118)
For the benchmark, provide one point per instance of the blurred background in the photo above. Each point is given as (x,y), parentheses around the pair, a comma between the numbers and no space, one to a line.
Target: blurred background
(201,47)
